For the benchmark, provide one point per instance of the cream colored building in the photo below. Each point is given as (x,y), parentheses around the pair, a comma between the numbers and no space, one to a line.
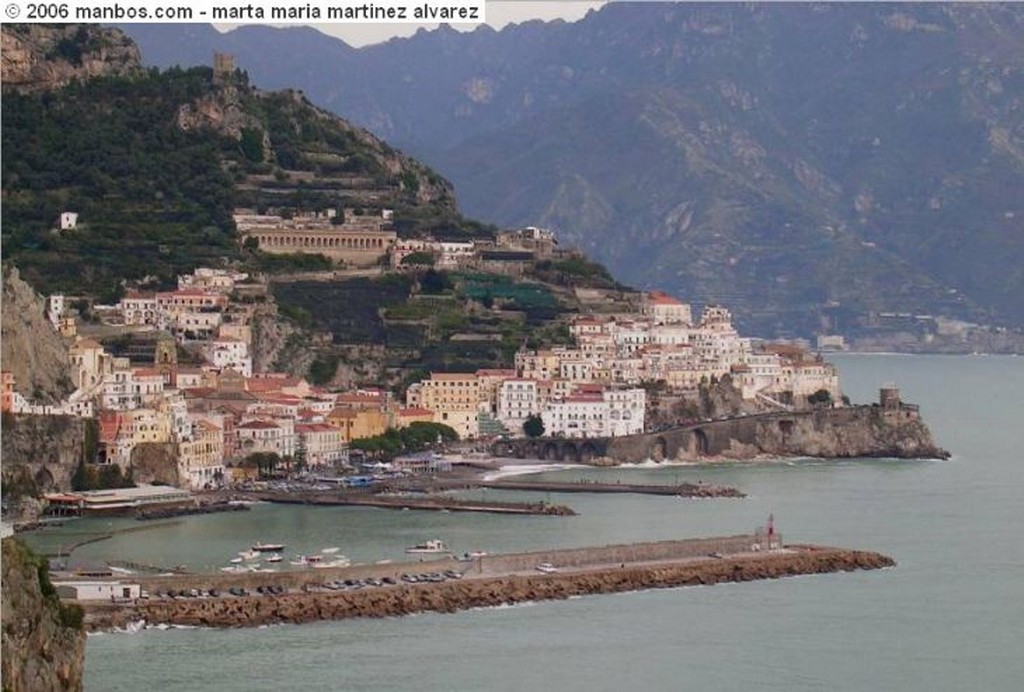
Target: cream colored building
(147,425)
(454,398)
(323,444)
(201,458)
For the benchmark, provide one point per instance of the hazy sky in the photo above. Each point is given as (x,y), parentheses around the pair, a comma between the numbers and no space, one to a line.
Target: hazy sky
(499,13)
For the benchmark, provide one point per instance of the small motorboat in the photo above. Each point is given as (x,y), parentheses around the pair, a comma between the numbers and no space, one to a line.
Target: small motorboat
(267,547)
(274,558)
(435,546)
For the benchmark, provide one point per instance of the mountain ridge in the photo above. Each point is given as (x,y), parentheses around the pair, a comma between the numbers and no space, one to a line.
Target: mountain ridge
(897,126)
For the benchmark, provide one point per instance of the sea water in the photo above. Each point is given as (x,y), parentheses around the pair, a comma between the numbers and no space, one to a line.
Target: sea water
(949,616)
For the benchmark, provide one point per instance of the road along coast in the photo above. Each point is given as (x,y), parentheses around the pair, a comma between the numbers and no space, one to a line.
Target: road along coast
(488,581)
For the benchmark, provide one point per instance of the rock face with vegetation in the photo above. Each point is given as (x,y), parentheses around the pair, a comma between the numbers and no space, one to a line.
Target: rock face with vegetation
(43,639)
(41,455)
(155,162)
(40,57)
(32,349)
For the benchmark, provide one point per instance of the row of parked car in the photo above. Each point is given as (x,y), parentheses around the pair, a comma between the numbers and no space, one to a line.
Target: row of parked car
(338,585)
(217,593)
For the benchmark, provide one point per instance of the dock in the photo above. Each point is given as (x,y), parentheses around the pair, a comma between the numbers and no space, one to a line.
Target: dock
(429,503)
(681,490)
(492,580)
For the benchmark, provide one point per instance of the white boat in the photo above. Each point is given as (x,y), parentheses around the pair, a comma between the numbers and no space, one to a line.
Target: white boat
(308,561)
(435,546)
(274,558)
(235,560)
(546,568)
(248,554)
(328,551)
(267,547)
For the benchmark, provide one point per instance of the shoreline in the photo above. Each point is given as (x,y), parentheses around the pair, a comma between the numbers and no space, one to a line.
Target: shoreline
(522,585)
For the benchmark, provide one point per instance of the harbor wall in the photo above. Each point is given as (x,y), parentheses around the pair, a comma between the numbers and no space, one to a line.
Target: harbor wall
(479,591)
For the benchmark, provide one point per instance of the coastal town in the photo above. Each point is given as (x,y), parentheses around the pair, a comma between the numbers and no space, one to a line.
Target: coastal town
(198,424)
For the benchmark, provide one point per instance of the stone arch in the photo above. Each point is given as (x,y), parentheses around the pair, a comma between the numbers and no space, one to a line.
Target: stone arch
(588,452)
(659,451)
(570,452)
(549,452)
(700,442)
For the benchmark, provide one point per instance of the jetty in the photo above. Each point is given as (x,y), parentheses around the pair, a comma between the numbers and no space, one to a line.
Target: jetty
(681,490)
(430,503)
(254,599)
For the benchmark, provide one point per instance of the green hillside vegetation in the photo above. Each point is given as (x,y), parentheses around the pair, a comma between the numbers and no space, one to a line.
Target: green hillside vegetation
(154,164)
(432,320)
(153,199)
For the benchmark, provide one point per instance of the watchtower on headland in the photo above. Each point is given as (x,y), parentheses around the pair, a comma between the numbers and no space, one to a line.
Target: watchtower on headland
(223,67)
(889,397)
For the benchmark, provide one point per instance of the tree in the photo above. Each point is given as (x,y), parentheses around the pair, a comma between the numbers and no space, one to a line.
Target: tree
(435,282)
(533,426)
(822,397)
(418,258)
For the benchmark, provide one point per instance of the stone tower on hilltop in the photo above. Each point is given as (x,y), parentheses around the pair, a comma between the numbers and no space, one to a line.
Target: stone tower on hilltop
(223,67)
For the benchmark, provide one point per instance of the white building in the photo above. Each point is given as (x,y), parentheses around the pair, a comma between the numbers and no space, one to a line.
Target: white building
(126,388)
(55,306)
(626,411)
(226,352)
(577,415)
(264,435)
(662,308)
(139,308)
(517,400)
(98,590)
(68,220)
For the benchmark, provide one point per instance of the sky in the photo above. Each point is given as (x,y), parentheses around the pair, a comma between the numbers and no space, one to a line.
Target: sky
(499,14)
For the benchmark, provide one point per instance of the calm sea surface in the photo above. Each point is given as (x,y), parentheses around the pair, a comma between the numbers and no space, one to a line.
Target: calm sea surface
(950,616)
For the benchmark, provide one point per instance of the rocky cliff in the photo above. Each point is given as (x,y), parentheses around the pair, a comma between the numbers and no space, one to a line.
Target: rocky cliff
(864,431)
(43,639)
(31,348)
(43,57)
(40,455)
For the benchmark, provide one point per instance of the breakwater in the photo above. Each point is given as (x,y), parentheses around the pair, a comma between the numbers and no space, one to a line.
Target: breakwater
(482,590)
(682,490)
(208,508)
(436,504)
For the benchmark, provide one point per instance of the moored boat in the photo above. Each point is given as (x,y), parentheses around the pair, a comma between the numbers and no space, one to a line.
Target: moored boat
(267,547)
(435,546)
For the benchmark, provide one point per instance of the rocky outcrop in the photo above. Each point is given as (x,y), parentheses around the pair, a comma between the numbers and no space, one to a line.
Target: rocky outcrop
(38,57)
(844,432)
(861,432)
(31,348)
(452,596)
(155,463)
(43,639)
(40,455)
